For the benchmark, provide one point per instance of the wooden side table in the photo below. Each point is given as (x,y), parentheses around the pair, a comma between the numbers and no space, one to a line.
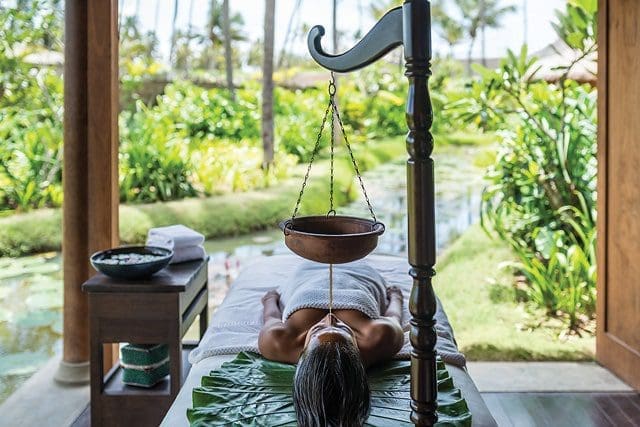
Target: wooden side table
(158,310)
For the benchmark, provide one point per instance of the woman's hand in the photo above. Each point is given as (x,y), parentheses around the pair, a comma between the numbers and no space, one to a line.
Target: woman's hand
(271,306)
(394,292)
(394,308)
(271,295)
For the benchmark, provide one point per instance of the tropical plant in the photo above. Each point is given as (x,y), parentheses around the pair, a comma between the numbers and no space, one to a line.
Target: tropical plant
(152,158)
(542,189)
(30,107)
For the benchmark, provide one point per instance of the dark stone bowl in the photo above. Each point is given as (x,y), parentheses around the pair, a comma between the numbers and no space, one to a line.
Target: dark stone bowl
(106,261)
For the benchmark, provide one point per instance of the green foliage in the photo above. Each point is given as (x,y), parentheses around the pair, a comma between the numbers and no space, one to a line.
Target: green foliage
(30,108)
(298,115)
(228,214)
(152,159)
(32,232)
(577,25)
(227,167)
(30,159)
(194,141)
(486,311)
(541,191)
(188,141)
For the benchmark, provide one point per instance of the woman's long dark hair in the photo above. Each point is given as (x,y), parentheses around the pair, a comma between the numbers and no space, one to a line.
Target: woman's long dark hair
(330,388)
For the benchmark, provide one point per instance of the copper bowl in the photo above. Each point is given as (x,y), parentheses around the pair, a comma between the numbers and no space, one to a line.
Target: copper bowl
(331,239)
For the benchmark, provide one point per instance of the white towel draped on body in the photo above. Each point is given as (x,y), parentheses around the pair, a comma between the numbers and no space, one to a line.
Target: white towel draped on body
(236,324)
(356,286)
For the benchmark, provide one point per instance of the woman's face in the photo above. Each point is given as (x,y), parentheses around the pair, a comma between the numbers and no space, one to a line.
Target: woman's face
(329,329)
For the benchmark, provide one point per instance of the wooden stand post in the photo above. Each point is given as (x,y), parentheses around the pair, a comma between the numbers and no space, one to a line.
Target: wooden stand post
(421,212)
(409,25)
(90,171)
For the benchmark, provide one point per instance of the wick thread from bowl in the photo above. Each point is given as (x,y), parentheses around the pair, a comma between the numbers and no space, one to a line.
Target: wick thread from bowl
(330,289)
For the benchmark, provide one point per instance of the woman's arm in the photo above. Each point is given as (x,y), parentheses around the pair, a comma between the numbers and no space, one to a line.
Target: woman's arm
(275,338)
(271,307)
(384,336)
(394,309)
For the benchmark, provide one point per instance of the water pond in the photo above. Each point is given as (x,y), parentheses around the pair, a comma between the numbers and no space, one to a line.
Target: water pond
(31,287)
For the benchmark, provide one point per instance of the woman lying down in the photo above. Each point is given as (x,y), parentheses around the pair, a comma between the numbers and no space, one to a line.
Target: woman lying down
(332,350)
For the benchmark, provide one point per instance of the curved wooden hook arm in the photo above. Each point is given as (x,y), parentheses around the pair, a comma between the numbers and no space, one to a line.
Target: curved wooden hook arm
(382,38)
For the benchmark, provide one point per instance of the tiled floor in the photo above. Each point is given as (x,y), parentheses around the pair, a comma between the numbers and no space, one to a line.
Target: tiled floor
(544,377)
(564,409)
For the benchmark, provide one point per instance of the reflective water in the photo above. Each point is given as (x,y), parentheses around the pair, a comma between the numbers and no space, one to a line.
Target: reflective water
(31,287)
(458,193)
(30,317)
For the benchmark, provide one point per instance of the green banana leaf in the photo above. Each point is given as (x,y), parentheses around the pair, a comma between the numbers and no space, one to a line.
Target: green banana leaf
(253,391)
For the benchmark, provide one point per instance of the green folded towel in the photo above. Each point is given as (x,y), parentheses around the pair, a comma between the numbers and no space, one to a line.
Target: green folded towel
(144,354)
(144,365)
(145,378)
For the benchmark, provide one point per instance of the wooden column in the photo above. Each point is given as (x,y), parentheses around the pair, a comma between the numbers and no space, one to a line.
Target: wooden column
(90,171)
(421,212)
(618,303)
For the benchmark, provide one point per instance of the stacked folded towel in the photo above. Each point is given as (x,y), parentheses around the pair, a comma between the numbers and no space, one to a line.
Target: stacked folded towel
(144,365)
(187,244)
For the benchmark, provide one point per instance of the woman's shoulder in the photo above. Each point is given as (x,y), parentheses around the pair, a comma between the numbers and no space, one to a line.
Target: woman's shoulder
(383,331)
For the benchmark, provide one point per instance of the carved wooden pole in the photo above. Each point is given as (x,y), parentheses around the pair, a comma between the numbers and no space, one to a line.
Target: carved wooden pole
(421,212)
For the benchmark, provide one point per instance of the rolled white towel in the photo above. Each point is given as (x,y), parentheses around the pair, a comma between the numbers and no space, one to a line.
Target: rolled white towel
(179,235)
(188,254)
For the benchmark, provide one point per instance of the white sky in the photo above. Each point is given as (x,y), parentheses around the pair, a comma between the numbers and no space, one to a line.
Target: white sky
(352,14)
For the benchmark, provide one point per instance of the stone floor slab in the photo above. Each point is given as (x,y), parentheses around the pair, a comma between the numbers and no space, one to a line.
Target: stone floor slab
(544,377)
(41,401)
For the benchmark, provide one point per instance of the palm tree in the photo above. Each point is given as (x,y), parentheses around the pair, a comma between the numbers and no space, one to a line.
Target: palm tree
(173,31)
(227,49)
(267,83)
(215,37)
(477,15)
(491,16)
(289,33)
(448,28)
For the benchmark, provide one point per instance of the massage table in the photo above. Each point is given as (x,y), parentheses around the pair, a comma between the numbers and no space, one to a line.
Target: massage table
(235,326)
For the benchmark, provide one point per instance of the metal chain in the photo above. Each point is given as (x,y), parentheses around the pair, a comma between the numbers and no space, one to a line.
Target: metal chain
(334,113)
(332,94)
(313,156)
(353,160)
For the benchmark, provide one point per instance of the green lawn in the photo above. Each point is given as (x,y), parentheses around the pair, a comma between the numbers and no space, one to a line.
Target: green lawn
(479,298)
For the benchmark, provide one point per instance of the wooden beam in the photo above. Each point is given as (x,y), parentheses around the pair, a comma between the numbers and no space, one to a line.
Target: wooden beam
(90,172)
(618,304)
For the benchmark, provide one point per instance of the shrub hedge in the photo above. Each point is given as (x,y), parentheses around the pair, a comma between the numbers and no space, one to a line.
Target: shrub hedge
(217,216)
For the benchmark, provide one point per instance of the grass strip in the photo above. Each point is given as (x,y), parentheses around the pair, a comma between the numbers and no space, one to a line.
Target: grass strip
(481,302)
